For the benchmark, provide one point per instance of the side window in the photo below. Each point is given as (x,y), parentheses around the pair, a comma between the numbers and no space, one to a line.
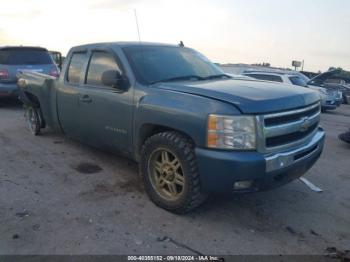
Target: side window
(272,78)
(76,67)
(100,62)
(255,76)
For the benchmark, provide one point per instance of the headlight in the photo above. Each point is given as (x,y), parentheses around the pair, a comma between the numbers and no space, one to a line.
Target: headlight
(323,91)
(231,132)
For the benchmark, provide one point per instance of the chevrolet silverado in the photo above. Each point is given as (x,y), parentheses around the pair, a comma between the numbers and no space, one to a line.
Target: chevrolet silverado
(193,129)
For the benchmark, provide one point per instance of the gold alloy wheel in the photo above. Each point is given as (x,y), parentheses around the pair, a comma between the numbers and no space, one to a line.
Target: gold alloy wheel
(166,174)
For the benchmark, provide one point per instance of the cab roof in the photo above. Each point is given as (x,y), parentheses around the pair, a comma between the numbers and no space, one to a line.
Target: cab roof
(22,47)
(120,44)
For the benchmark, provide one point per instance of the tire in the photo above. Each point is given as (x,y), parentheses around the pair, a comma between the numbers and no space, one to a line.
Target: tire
(33,120)
(347,99)
(163,182)
(345,137)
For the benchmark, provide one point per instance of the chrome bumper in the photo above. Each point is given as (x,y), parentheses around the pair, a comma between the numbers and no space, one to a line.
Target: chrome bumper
(288,158)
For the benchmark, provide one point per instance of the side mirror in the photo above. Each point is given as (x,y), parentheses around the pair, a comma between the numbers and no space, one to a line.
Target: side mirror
(113,78)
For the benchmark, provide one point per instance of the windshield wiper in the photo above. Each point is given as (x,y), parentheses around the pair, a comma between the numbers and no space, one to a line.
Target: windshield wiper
(216,76)
(179,78)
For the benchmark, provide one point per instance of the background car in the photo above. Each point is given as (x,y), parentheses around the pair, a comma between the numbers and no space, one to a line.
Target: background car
(57,58)
(14,59)
(328,97)
(334,80)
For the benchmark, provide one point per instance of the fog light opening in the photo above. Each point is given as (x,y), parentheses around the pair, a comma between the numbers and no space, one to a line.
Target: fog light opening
(245,184)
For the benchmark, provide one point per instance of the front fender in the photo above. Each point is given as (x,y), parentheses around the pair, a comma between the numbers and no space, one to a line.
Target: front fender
(184,112)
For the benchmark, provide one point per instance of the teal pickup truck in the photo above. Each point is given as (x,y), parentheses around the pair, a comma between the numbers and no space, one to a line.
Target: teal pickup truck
(193,129)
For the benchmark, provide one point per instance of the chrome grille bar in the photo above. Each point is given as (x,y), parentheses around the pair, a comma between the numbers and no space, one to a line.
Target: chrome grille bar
(287,128)
(290,127)
(292,112)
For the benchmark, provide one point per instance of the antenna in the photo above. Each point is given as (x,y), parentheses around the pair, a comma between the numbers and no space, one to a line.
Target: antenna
(137,25)
(138,32)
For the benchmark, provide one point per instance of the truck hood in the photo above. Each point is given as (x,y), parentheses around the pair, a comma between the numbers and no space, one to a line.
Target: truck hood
(249,96)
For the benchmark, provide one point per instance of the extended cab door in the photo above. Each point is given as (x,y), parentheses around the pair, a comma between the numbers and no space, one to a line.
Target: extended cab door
(105,112)
(68,93)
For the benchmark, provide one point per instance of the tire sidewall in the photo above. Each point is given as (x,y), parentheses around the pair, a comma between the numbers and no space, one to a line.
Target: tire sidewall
(36,129)
(162,142)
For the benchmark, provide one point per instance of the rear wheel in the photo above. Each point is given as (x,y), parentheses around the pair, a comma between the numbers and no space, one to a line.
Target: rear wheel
(33,120)
(169,170)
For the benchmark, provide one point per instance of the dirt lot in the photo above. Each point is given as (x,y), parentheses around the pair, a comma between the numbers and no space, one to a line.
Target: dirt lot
(60,197)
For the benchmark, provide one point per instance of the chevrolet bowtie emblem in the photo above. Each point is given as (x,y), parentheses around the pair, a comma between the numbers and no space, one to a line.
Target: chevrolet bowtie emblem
(305,124)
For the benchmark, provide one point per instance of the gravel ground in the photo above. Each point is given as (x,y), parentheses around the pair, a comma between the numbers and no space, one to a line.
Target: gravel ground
(60,197)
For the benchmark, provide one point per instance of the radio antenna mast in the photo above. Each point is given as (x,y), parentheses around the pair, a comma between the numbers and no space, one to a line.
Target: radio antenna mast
(137,25)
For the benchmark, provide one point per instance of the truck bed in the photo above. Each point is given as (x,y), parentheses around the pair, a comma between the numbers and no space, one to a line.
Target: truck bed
(39,90)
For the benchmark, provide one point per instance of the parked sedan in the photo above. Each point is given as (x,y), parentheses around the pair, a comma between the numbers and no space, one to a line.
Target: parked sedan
(328,97)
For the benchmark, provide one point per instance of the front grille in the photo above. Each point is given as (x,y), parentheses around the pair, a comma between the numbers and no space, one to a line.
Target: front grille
(289,118)
(288,128)
(289,138)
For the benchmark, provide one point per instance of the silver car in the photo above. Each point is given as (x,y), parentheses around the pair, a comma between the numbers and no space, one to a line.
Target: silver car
(328,97)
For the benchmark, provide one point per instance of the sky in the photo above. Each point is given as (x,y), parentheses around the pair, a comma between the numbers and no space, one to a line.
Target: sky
(226,31)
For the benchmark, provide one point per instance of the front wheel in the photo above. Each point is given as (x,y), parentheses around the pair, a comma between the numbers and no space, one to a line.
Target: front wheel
(169,170)
(32,120)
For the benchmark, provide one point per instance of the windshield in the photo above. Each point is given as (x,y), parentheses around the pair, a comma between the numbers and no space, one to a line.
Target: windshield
(24,56)
(153,64)
(296,80)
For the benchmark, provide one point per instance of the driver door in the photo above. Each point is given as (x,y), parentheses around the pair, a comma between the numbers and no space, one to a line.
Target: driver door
(68,94)
(105,112)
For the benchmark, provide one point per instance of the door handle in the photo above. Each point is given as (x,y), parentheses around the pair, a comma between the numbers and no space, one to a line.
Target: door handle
(85,99)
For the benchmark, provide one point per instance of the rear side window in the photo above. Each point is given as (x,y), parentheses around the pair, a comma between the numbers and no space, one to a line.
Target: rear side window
(100,62)
(76,67)
(24,56)
(272,78)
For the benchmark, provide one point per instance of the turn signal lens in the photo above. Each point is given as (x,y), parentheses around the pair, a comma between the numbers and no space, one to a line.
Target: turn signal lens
(212,122)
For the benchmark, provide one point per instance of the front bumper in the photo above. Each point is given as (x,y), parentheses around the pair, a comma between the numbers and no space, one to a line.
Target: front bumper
(339,101)
(329,104)
(220,170)
(8,90)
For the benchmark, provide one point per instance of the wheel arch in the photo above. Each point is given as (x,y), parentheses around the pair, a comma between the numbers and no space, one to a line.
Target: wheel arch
(32,100)
(148,129)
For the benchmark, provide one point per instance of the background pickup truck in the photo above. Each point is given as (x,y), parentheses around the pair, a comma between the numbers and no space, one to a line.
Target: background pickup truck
(193,129)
